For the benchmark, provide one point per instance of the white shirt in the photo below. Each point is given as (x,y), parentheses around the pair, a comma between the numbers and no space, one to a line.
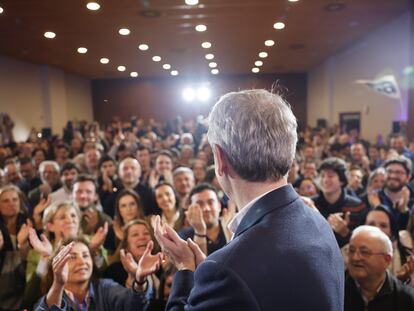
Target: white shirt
(235,222)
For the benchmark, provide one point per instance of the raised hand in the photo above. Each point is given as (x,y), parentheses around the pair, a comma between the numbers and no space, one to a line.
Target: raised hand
(129,263)
(148,264)
(42,245)
(373,197)
(402,203)
(59,265)
(198,253)
(1,241)
(196,220)
(23,234)
(339,224)
(99,237)
(406,270)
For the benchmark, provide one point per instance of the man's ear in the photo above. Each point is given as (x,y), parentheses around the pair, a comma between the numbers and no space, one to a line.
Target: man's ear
(220,160)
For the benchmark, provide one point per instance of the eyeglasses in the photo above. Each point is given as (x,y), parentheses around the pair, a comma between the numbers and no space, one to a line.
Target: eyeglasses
(398,173)
(364,253)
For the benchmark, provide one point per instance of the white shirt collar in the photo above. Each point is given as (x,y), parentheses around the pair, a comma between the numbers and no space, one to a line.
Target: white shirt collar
(235,222)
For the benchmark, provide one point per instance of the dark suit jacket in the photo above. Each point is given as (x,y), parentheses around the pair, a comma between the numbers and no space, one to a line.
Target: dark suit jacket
(284,257)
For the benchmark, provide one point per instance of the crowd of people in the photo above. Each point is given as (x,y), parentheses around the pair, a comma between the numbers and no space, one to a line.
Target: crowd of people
(77,212)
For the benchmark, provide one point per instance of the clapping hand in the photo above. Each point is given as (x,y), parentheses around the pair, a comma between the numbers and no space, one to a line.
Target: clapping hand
(59,265)
(339,224)
(99,237)
(196,220)
(406,270)
(42,245)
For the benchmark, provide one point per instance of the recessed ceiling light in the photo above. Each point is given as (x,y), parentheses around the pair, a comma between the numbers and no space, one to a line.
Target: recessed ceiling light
(206,45)
(191,2)
(49,34)
(124,31)
(293,0)
(166,66)
(258,63)
(121,68)
(269,43)
(104,60)
(215,71)
(174,72)
(143,47)
(263,54)
(134,74)
(82,50)
(212,65)
(201,28)
(156,58)
(279,25)
(209,56)
(1,10)
(255,70)
(93,6)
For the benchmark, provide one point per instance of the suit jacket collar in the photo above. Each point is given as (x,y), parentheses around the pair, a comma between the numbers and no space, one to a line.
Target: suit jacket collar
(273,200)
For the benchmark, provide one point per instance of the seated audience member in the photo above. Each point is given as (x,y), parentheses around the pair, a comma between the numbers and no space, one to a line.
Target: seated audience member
(74,286)
(14,247)
(342,211)
(186,155)
(38,155)
(355,187)
(108,179)
(368,285)
(162,170)
(62,152)
(137,236)
(92,157)
(203,215)
(128,207)
(399,143)
(374,157)
(307,188)
(28,171)
(129,173)
(395,194)
(84,195)
(68,174)
(143,155)
(169,203)
(359,157)
(49,174)
(14,177)
(199,169)
(183,181)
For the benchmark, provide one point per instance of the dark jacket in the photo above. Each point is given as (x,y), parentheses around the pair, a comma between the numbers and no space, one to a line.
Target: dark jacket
(393,296)
(273,263)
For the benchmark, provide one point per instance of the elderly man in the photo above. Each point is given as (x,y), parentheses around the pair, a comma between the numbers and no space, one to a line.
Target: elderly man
(274,260)
(184,181)
(369,286)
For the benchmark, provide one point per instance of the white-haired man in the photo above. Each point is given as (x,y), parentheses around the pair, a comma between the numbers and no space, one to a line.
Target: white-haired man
(368,285)
(274,260)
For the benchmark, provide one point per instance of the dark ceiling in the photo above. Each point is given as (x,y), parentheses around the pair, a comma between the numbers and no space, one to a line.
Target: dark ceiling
(237,29)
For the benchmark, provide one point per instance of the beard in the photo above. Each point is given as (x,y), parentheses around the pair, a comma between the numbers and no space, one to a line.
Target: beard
(394,187)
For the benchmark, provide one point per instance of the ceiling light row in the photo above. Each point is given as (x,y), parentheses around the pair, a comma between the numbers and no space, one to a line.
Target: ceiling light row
(1,10)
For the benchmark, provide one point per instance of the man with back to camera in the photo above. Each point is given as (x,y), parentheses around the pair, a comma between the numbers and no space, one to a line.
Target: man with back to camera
(274,260)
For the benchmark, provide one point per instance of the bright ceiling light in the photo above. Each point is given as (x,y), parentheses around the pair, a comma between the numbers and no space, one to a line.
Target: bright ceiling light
(215,71)
(269,43)
(124,31)
(191,2)
(166,66)
(93,6)
(255,70)
(1,10)
(212,65)
(206,45)
(49,34)
(174,72)
(134,74)
(201,28)
(203,93)
(104,60)
(82,50)
(188,94)
(263,54)
(209,56)
(258,63)
(293,0)
(121,68)
(156,58)
(279,25)
(143,47)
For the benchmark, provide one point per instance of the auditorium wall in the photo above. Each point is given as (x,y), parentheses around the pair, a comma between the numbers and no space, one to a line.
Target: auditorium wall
(161,98)
(331,87)
(42,96)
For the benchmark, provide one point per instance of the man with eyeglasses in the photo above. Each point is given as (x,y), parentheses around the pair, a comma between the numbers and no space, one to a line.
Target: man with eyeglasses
(368,284)
(396,194)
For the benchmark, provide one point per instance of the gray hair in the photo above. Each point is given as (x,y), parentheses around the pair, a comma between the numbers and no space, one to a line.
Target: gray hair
(257,131)
(181,170)
(43,165)
(375,173)
(377,233)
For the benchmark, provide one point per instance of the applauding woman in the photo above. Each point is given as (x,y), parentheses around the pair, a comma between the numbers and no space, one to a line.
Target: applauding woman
(75,288)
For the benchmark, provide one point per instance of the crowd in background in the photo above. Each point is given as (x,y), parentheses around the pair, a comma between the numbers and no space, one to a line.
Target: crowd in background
(97,188)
